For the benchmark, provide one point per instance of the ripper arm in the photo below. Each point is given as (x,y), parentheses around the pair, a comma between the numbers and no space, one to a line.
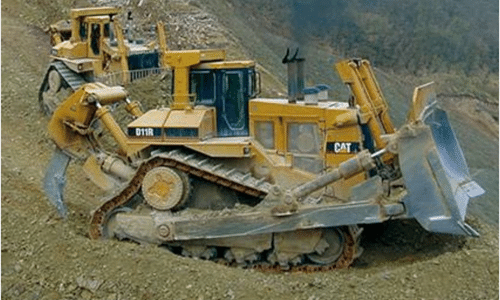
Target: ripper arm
(71,130)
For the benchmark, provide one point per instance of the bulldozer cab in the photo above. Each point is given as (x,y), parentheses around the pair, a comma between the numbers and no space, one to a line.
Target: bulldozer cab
(227,86)
(82,18)
(95,30)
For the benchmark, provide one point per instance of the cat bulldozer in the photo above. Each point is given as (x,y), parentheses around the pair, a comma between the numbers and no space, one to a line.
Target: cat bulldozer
(92,47)
(281,184)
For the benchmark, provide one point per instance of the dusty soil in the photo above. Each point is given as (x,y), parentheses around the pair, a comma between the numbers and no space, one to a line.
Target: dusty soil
(45,258)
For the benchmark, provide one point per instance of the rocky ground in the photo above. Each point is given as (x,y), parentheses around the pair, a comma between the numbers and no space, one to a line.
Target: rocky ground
(45,258)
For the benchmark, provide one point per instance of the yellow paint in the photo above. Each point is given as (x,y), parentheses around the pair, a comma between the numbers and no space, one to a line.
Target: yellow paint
(97,19)
(162,37)
(181,62)
(155,118)
(342,188)
(110,123)
(75,111)
(376,96)
(94,172)
(122,51)
(77,65)
(108,95)
(134,108)
(201,118)
(336,122)
(238,64)
(110,59)
(422,96)
(70,123)
(221,149)
(78,14)
(186,118)
(94,11)
(70,50)
(349,73)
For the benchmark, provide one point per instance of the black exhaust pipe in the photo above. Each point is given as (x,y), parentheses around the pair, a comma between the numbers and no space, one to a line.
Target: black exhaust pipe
(295,70)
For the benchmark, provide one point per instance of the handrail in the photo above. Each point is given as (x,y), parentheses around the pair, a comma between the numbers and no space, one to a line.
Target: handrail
(116,78)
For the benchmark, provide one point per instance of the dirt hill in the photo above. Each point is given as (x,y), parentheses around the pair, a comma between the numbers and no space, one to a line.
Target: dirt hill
(45,258)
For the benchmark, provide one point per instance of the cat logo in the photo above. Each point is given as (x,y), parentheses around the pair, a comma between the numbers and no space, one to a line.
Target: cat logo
(342,147)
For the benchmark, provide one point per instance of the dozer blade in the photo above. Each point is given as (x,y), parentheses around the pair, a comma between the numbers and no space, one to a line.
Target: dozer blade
(55,180)
(436,174)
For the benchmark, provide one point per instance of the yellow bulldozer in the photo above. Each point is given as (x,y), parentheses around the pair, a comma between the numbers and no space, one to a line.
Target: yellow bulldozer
(92,47)
(224,175)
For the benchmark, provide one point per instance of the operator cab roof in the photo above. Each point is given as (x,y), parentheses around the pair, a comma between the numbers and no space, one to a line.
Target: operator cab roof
(97,19)
(322,104)
(236,64)
(94,11)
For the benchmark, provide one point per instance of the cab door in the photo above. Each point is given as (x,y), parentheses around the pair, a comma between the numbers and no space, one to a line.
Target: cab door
(233,104)
(94,40)
(228,90)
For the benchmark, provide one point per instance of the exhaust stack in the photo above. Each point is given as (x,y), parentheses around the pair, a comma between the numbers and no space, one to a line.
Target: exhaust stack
(292,83)
(295,71)
(300,77)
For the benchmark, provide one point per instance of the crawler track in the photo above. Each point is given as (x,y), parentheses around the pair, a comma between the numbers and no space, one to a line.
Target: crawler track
(208,169)
(70,80)
(192,164)
(350,253)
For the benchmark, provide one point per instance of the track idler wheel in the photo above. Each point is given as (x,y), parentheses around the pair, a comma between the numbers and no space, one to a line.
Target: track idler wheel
(53,92)
(55,81)
(313,250)
(329,248)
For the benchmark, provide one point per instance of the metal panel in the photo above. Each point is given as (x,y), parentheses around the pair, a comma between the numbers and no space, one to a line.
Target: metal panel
(434,169)
(258,223)
(55,180)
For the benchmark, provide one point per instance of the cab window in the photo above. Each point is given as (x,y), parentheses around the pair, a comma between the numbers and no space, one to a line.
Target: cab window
(203,86)
(107,29)
(83,30)
(303,138)
(264,133)
(304,142)
(94,38)
(233,105)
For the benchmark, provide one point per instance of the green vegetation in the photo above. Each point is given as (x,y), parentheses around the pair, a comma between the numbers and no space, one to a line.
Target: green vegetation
(414,35)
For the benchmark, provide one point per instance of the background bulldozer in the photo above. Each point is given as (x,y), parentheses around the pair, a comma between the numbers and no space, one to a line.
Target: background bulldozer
(266,183)
(92,47)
